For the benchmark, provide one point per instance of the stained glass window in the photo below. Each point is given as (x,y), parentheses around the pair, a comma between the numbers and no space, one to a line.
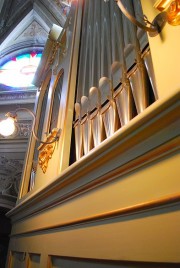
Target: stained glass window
(19,71)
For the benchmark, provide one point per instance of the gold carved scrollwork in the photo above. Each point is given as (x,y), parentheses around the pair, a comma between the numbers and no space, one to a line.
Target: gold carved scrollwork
(46,150)
(172,9)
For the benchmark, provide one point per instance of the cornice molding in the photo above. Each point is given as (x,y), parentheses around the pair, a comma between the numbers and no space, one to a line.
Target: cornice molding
(9,97)
(150,136)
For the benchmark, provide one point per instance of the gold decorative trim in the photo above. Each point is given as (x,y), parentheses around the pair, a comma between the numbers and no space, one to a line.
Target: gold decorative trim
(46,150)
(162,5)
(172,8)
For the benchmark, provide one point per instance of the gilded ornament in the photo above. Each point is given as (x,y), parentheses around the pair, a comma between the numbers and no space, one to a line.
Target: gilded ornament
(46,150)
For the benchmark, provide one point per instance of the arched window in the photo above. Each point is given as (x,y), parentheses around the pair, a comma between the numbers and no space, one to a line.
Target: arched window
(21,69)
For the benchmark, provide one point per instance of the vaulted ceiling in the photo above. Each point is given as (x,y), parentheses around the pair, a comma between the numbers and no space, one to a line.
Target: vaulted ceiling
(26,23)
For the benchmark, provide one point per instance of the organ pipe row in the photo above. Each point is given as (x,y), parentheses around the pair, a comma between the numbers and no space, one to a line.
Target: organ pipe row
(114,74)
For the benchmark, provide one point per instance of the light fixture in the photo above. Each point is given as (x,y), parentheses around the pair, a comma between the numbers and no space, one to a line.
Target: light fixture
(7,126)
(155,27)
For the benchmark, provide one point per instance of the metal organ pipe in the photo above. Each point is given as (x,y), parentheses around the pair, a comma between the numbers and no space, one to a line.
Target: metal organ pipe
(113,48)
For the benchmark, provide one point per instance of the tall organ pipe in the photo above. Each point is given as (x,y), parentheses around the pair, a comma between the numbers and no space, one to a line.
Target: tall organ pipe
(123,95)
(138,75)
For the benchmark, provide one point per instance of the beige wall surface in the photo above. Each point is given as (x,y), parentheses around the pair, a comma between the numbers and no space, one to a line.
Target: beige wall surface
(165,53)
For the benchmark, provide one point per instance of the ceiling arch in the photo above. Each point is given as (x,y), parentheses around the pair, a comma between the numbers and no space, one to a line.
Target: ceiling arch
(27,22)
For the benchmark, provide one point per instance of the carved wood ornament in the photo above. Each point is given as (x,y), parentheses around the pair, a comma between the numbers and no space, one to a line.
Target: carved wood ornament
(46,150)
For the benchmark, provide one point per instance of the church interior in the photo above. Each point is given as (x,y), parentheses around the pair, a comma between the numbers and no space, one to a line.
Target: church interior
(89,133)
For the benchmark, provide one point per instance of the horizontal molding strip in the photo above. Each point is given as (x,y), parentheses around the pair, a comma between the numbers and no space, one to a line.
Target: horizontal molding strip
(144,160)
(79,177)
(138,208)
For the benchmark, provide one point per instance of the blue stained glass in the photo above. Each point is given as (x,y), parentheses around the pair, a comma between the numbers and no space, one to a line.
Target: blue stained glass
(19,71)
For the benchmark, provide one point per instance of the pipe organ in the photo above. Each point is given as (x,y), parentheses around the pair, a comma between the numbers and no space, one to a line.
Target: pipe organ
(116,79)
(106,193)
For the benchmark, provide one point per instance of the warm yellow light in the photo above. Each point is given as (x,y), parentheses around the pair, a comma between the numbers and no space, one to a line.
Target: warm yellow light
(7,127)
